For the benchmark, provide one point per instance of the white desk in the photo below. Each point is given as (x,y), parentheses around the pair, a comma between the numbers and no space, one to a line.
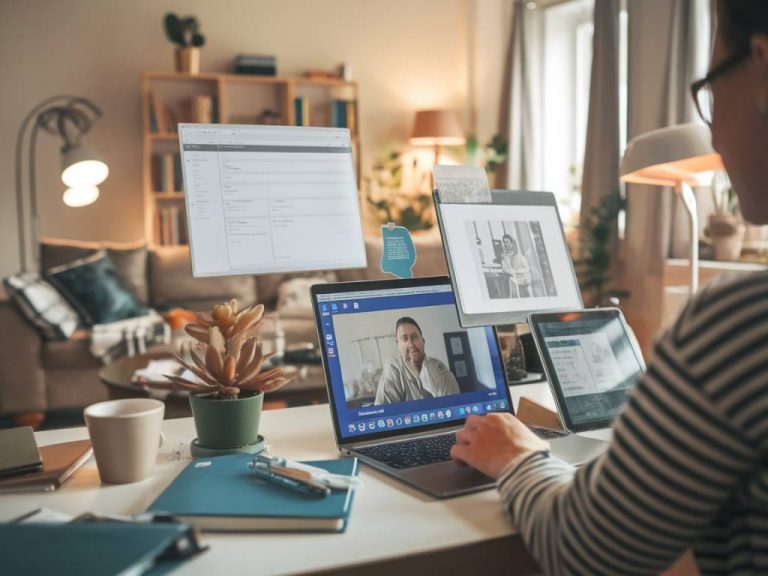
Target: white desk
(392,528)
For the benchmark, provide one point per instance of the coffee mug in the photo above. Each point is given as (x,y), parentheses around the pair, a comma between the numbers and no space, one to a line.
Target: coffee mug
(126,436)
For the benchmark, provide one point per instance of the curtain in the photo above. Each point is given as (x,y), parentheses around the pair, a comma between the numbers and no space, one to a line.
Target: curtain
(662,36)
(519,100)
(601,156)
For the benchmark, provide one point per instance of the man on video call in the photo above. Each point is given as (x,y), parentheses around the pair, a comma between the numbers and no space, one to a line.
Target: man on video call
(413,375)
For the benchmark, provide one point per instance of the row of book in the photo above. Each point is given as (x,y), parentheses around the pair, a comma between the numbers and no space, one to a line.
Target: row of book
(198,109)
(343,113)
(166,173)
(171,225)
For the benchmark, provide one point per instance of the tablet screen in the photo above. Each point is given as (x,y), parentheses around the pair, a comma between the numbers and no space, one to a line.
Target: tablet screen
(591,362)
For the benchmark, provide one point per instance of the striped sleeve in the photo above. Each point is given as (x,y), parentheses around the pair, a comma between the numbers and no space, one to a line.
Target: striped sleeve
(688,437)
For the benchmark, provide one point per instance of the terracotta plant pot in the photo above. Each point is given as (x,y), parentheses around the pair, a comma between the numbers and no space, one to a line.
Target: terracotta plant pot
(225,424)
(727,234)
(188,60)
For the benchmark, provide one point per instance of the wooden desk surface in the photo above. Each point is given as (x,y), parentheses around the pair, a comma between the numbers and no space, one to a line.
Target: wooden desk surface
(392,528)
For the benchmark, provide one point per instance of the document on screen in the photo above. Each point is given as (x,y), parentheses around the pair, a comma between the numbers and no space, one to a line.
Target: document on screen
(263,199)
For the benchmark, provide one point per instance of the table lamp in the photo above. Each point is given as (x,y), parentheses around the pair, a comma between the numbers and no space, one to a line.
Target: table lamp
(69,118)
(675,156)
(437,128)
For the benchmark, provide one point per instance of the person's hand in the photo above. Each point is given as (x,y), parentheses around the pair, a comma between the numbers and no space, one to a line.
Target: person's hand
(488,443)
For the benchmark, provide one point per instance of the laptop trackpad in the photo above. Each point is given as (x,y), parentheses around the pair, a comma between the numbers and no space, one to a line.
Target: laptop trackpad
(577,450)
(446,478)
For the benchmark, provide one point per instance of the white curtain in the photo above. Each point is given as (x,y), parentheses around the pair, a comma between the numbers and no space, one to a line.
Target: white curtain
(601,156)
(519,117)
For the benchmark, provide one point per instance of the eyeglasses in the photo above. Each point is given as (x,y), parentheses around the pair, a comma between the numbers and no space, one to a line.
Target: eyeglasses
(412,338)
(701,90)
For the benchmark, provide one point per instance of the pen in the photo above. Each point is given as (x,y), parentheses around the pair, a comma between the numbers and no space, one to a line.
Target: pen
(272,476)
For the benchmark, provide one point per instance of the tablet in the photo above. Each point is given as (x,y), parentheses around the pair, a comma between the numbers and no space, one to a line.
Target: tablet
(507,258)
(592,362)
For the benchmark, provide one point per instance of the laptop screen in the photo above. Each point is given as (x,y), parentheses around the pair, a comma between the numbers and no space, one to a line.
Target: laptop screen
(397,358)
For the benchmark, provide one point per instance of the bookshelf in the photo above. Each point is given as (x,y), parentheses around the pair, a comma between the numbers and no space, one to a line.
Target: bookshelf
(169,97)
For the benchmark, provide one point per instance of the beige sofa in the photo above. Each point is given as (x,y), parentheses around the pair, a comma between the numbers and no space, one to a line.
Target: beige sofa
(37,376)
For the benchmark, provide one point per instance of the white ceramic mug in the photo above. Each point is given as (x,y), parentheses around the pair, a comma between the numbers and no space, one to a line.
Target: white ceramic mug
(126,436)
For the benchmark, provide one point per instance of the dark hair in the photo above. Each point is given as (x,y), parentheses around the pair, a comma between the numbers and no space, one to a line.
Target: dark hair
(512,240)
(739,20)
(408,320)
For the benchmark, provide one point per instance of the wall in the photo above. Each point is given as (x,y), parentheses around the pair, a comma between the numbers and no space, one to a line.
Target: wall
(405,55)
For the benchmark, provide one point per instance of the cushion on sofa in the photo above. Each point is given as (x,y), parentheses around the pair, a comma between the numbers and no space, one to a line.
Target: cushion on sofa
(269,284)
(129,259)
(43,306)
(294,299)
(94,288)
(172,285)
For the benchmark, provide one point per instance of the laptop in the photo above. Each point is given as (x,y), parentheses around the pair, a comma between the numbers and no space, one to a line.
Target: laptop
(403,375)
(592,362)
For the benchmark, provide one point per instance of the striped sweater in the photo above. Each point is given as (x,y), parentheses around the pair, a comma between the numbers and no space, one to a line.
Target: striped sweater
(688,464)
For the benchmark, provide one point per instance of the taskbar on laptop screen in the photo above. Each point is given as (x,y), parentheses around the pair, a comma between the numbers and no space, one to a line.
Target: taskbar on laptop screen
(397,358)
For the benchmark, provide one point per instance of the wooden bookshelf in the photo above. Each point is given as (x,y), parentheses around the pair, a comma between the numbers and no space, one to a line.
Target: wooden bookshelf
(237,99)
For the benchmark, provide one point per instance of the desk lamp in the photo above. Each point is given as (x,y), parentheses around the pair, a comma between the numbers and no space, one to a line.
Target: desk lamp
(69,118)
(437,128)
(675,156)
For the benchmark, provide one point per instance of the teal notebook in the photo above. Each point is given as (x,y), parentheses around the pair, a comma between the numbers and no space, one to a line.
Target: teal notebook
(222,495)
(90,548)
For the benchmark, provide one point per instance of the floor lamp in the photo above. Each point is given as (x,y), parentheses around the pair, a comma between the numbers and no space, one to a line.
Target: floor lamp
(675,156)
(69,118)
(437,128)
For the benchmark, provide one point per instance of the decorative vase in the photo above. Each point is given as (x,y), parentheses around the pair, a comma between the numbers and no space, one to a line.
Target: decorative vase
(226,424)
(727,233)
(188,60)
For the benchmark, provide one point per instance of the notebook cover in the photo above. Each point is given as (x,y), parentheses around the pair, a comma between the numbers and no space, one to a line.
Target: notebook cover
(103,548)
(225,488)
(60,462)
(18,451)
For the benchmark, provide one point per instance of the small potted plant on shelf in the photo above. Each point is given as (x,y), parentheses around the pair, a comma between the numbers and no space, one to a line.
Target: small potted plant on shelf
(227,390)
(726,227)
(185,33)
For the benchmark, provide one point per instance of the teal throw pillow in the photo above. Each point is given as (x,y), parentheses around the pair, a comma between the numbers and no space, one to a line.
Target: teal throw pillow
(94,288)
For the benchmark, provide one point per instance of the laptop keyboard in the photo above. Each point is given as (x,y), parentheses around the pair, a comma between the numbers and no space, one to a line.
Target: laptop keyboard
(429,450)
(410,453)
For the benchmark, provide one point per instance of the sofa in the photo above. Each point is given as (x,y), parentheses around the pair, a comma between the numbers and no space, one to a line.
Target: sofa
(38,375)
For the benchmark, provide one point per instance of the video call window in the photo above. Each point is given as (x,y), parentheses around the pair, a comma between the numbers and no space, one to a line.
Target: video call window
(410,354)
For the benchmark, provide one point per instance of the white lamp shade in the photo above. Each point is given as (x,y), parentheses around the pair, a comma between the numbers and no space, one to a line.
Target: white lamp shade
(670,155)
(82,166)
(80,196)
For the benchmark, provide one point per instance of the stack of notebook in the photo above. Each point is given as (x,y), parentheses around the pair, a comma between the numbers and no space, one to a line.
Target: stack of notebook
(59,463)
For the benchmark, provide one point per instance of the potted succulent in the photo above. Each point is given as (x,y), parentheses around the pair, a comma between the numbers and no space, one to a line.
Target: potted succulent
(227,391)
(726,227)
(185,33)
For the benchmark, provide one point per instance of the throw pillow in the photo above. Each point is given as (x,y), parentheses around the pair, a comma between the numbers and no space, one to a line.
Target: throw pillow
(93,286)
(294,299)
(42,305)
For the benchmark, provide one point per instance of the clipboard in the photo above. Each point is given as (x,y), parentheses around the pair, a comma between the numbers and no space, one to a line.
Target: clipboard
(475,282)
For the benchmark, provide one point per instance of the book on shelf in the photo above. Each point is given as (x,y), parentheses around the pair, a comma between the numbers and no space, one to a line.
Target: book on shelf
(161,118)
(343,114)
(171,227)
(198,109)
(256,65)
(301,110)
(166,172)
(222,495)
(60,462)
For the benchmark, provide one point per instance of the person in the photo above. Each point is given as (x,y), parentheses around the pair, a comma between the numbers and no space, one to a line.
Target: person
(413,375)
(687,467)
(515,265)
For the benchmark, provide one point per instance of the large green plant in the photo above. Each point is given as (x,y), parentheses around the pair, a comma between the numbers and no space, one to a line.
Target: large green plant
(595,266)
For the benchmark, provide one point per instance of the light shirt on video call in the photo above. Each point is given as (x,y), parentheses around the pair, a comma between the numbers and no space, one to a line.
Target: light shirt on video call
(402,381)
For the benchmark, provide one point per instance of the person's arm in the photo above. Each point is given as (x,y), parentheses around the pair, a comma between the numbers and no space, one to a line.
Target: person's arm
(506,264)
(386,391)
(674,462)
(448,383)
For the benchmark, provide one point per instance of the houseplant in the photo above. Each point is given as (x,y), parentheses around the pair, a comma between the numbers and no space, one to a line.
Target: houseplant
(726,228)
(227,390)
(185,33)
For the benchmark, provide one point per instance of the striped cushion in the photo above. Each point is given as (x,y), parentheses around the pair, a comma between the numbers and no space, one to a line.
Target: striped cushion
(42,305)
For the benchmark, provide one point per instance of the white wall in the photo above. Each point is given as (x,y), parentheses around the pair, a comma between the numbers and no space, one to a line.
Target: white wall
(405,54)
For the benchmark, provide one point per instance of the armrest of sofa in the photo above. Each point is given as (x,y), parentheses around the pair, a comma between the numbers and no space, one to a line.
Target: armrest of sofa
(22,380)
